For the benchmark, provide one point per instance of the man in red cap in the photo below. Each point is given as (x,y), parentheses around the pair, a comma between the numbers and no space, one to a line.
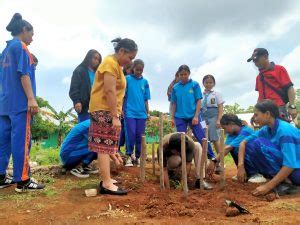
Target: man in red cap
(273,82)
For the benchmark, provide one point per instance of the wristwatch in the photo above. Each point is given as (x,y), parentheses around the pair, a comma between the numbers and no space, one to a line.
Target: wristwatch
(292,106)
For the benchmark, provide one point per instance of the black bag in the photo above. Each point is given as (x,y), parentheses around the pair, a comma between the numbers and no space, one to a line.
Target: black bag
(283,93)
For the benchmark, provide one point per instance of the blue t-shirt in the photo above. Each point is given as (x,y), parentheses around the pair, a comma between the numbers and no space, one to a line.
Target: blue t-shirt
(234,140)
(92,77)
(286,137)
(185,96)
(76,142)
(137,93)
(15,62)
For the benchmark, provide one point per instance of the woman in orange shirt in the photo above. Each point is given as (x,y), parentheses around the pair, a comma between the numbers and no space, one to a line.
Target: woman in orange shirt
(105,109)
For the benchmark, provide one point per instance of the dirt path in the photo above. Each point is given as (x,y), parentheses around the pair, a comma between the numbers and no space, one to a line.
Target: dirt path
(63,202)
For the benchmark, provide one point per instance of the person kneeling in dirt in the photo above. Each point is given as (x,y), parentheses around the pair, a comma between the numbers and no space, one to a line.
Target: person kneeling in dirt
(74,152)
(172,158)
(236,132)
(275,153)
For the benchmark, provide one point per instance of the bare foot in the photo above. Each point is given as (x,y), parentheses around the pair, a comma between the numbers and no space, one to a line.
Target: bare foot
(110,186)
(113,181)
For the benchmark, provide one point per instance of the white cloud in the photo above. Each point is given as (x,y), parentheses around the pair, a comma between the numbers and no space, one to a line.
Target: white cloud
(291,63)
(66,30)
(66,80)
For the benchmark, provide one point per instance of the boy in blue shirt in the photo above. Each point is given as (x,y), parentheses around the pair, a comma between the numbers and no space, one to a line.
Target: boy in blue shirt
(186,103)
(17,105)
(136,111)
(278,155)
(74,151)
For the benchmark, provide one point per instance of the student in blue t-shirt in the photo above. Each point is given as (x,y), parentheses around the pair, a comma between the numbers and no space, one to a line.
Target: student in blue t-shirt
(186,103)
(236,132)
(17,105)
(74,151)
(279,161)
(136,111)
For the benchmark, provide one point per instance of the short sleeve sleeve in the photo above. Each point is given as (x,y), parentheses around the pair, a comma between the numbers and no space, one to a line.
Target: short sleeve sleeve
(23,64)
(147,91)
(173,96)
(219,98)
(109,66)
(197,91)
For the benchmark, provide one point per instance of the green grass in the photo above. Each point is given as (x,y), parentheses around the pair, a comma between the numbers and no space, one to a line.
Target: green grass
(44,157)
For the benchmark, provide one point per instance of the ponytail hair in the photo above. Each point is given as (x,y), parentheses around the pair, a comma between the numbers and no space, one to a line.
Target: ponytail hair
(268,106)
(17,24)
(125,43)
(229,118)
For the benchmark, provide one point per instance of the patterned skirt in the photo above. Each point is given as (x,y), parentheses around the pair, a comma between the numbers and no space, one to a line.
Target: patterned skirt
(103,137)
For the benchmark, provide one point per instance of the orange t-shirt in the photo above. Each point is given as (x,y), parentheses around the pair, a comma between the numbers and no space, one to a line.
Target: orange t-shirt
(98,99)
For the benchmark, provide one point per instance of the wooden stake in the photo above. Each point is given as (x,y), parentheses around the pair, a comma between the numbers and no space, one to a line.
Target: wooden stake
(203,162)
(161,153)
(143,159)
(153,159)
(222,163)
(183,165)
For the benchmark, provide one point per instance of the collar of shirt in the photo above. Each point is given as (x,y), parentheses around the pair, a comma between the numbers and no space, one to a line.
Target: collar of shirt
(208,91)
(189,81)
(135,77)
(270,68)
(273,130)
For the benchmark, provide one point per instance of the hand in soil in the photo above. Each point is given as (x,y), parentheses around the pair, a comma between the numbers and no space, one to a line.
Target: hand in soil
(262,190)
(242,176)
(271,197)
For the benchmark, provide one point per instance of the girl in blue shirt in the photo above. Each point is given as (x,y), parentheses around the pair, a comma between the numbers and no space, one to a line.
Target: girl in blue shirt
(136,111)
(17,105)
(281,161)
(186,103)
(236,132)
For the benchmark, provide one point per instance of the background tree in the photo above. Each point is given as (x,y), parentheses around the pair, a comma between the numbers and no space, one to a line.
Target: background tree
(235,109)
(43,127)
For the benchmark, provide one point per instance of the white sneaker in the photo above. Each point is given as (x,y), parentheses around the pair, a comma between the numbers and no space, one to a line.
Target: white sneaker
(234,178)
(138,163)
(129,162)
(257,179)
(79,172)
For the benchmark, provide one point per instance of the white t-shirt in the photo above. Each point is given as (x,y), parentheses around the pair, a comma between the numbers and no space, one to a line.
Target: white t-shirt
(211,99)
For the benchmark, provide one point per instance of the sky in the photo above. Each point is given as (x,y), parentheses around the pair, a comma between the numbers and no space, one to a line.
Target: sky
(212,37)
